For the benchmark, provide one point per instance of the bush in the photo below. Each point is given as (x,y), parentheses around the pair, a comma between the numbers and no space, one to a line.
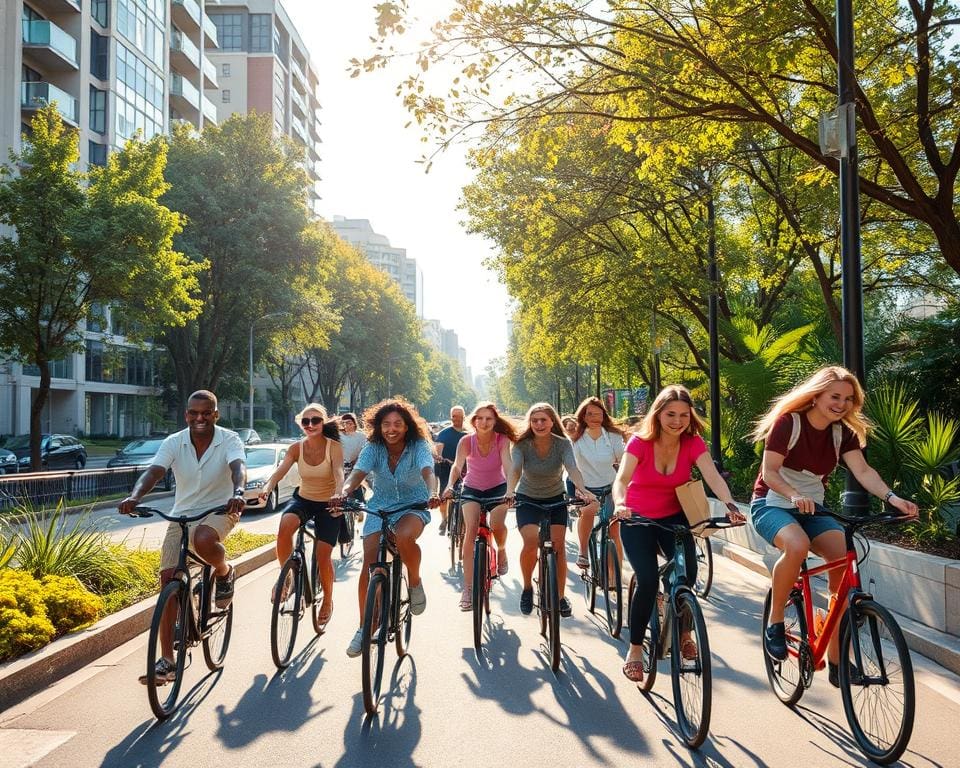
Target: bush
(69,604)
(24,625)
(266,428)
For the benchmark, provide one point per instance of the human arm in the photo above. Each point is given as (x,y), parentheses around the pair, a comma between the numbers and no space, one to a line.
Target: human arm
(424,459)
(458,462)
(628,463)
(708,470)
(770,472)
(871,482)
(336,458)
(516,469)
(573,472)
(238,476)
(148,478)
(289,459)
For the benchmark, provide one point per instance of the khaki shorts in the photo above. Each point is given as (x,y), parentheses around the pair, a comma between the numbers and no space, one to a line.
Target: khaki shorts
(170,549)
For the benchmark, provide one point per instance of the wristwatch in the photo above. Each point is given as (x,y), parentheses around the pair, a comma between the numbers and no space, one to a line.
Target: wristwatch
(238,492)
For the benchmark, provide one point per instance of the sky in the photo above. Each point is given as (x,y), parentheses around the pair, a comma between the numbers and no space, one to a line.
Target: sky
(369,171)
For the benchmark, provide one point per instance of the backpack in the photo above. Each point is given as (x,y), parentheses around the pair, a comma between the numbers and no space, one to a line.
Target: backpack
(795,434)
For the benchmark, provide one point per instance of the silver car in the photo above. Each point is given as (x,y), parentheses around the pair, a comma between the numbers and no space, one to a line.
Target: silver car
(262,460)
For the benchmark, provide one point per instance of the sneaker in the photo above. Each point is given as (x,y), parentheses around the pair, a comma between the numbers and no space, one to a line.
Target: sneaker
(526,602)
(223,594)
(443,528)
(582,562)
(466,599)
(833,674)
(418,600)
(356,645)
(164,671)
(502,565)
(775,641)
(566,610)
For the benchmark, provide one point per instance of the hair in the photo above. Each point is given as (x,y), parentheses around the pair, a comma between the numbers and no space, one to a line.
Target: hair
(650,426)
(527,432)
(204,394)
(350,416)
(329,429)
(457,408)
(581,417)
(566,418)
(374,415)
(501,425)
(801,397)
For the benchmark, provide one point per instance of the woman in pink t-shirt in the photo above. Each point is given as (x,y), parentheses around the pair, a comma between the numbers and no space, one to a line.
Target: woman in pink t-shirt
(659,459)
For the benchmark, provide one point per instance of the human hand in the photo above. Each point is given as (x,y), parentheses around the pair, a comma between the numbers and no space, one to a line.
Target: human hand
(906,506)
(433,502)
(447,495)
(734,515)
(127,506)
(804,504)
(235,507)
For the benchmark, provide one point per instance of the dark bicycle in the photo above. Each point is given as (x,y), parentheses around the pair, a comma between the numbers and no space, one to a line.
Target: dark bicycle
(455,528)
(297,586)
(386,616)
(198,619)
(604,571)
(676,612)
(704,566)
(484,567)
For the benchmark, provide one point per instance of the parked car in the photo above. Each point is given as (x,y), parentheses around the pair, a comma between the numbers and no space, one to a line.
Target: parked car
(248,436)
(8,462)
(262,460)
(140,453)
(56,452)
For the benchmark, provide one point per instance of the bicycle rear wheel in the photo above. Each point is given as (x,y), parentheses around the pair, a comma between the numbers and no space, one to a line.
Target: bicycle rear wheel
(479,596)
(877,686)
(348,531)
(164,702)
(217,624)
(786,677)
(552,610)
(589,576)
(612,588)
(704,566)
(285,613)
(455,534)
(692,688)
(376,625)
(316,591)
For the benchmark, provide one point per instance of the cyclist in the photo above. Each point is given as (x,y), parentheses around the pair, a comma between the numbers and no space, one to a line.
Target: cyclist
(209,466)
(319,460)
(539,456)
(569,423)
(486,454)
(598,447)
(352,441)
(658,459)
(806,433)
(398,456)
(446,447)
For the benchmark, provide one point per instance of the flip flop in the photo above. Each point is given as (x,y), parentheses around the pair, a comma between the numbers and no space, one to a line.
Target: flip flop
(633,671)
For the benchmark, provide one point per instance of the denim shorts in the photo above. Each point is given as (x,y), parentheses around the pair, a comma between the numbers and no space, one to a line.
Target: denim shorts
(371,523)
(768,521)
(490,493)
(607,509)
(530,515)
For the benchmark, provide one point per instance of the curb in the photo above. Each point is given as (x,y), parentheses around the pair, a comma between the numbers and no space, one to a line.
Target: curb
(29,674)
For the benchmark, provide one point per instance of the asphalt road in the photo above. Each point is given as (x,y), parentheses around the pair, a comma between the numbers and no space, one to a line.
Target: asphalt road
(443,708)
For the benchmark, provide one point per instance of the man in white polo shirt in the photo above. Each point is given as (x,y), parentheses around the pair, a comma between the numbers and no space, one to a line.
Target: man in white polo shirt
(208,464)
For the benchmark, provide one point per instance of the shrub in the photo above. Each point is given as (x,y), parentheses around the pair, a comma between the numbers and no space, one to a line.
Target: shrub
(266,428)
(69,604)
(24,625)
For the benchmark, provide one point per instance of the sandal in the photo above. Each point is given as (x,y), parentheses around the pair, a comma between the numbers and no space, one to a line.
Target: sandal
(633,671)
(466,600)
(582,562)
(688,649)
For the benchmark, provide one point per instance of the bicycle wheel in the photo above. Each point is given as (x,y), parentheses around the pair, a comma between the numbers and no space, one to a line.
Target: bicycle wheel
(401,606)
(651,642)
(316,589)
(217,624)
(174,593)
(453,527)
(612,588)
(704,566)
(479,596)
(786,677)
(285,613)
(876,686)
(589,577)
(376,625)
(346,546)
(692,689)
(552,610)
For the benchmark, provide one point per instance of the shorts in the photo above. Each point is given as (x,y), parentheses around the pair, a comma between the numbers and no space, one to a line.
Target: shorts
(607,509)
(491,493)
(767,521)
(371,523)
(326,527)
(530,515)
(170,549)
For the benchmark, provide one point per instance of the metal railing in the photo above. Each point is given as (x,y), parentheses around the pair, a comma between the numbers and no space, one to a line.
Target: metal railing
(46,489)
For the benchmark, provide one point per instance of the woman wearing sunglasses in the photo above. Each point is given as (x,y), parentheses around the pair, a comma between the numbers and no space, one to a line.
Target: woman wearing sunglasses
(319,459)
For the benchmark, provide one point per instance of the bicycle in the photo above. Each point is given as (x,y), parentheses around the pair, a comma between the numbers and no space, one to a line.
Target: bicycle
(604,571)
(674,614)
(386,616)
(292,592)
(455,528)
(198,620)
(704,566)
(875,670)
(484,567)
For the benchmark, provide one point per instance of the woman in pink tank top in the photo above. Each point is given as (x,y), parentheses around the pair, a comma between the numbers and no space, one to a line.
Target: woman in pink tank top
(486,453)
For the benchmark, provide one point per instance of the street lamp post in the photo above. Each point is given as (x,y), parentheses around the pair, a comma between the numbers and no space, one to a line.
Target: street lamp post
(250,362)
(713,277)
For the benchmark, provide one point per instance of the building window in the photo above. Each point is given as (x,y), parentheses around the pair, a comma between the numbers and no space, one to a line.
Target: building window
(261,32)
(226,95)
(98,110)
(31,15)
(140,97)
(225,70)
(143,23)
(99,55)
(100,11)
(59,369)
(229,30)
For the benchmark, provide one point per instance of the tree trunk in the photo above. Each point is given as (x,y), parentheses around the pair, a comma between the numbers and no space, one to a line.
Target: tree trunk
(36,411)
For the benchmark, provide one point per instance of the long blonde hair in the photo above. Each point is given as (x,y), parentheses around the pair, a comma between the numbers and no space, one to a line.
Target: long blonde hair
(800,399)
(650,426)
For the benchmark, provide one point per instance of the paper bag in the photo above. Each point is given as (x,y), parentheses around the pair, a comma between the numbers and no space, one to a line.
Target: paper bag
(693,500)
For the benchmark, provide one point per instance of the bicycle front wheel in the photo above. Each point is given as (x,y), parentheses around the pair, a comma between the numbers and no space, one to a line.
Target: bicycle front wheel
(690,670)
(588,577)
(612,589)
(163,700)
(217,626)
(376,625)
(285,614)
(786,677)
(479,596)
(316,589)
(876,684)
(453,531)
(704,566)
(651,640)
(552,606)
(401,604)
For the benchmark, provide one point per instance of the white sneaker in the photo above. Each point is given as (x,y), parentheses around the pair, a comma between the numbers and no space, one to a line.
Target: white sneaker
(418,599)
(356,645)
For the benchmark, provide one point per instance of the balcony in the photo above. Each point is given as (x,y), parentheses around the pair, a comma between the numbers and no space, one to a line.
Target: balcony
(53,7)
(33,96)
(299,79)
(209,74)
(184,97)
(315,130)
(209,111)
(210,33)
(184,54)
(298,103)
(186,14)
(299,130)
(46,43)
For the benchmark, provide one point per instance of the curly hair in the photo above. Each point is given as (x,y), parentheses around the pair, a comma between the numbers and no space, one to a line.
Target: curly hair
(374,415)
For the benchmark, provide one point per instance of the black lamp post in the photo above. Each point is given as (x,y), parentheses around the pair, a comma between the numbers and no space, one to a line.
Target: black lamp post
(713,277)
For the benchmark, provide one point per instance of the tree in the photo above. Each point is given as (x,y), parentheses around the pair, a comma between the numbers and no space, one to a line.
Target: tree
(79,239)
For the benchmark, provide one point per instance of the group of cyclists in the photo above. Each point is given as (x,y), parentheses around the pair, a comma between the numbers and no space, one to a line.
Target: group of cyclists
(806,432)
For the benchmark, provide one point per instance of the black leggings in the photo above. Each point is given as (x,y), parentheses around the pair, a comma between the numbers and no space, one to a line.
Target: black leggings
(641,544)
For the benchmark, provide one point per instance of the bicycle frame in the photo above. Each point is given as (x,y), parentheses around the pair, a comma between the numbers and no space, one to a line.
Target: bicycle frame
(849,589)
(300,553)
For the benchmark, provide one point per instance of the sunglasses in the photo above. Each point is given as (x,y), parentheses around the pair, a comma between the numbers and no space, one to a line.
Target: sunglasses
(308,420)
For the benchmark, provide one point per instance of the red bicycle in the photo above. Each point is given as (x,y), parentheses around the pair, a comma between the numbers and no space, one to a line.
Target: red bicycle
(875,671)
(484,566)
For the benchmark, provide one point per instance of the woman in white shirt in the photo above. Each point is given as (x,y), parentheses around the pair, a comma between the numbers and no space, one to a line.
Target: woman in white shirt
(598,446)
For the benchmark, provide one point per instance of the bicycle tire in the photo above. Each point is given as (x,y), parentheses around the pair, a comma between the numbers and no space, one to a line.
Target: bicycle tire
(479,596)
(403,624)
(786,677)
(453,525)
(885,659)
(163,706)
(704,566)
(346,547)
(316,594)
(651,643)
(285,614)
(376,625)
(217,626)
(612,592)
(589,577)
(553,611)
(692,679)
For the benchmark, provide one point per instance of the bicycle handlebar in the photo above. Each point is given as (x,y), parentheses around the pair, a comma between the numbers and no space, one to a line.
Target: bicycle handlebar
(487,504)
(141,511)
(351,505)
(567,502)
(856,522)
(711,522)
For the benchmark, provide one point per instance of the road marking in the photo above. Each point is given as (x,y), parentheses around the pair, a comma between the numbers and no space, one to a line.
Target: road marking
(20,748)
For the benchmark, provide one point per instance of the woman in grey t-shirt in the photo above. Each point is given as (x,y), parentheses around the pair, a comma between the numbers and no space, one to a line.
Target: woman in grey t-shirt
(540,455)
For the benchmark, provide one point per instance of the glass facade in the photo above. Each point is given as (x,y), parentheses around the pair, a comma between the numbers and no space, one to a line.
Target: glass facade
(140,96)
(229,30)
(120,365)
(261,32)
(143,23)
(100,11)
(96,153)
(99,55)
(59,369)
(98,110)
